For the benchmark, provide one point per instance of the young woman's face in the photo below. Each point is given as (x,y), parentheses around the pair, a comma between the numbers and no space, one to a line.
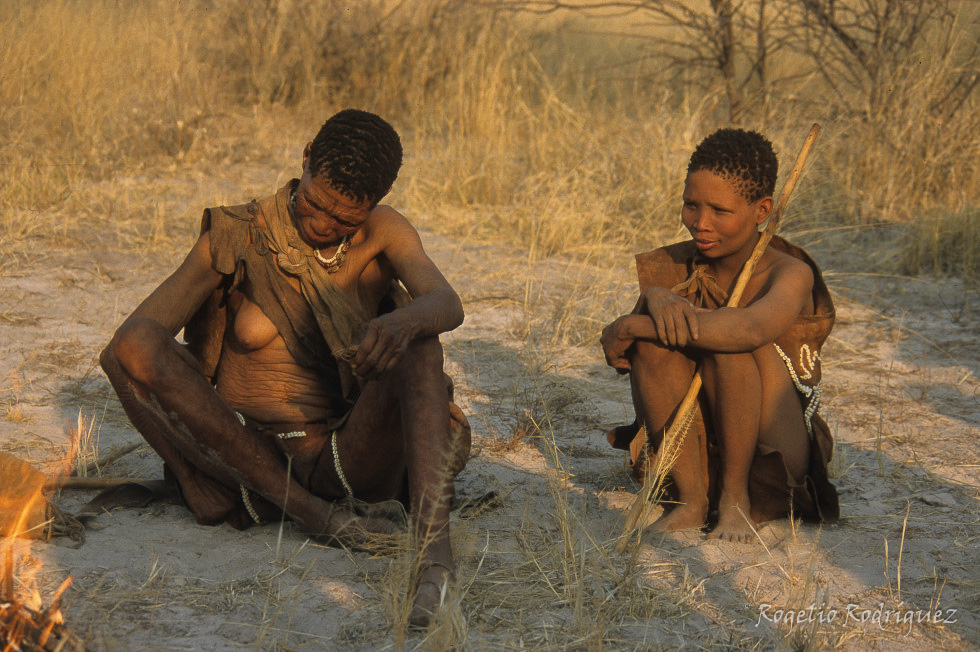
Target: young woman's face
(721,221)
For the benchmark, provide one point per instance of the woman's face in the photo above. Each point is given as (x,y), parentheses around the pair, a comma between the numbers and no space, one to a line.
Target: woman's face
(721,221)
(324,216)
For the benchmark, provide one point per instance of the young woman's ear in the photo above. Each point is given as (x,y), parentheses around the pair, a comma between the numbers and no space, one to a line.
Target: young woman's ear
(763,210)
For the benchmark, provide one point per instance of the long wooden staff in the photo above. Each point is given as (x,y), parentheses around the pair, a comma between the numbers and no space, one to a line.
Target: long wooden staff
(639,510)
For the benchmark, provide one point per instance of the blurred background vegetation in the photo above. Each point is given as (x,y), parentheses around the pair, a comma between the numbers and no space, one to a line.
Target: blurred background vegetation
(559,126)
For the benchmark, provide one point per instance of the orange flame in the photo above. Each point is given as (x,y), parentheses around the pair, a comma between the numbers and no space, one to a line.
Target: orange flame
(24,515)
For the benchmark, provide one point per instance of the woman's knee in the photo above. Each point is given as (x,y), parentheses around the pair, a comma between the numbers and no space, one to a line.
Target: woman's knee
(136,349)
(729,363)
(649,354)
(423,355)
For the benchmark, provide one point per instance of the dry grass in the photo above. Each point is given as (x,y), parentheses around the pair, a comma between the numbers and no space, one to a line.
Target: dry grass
(545,575)
(549,134)
(536,136)
(944,244)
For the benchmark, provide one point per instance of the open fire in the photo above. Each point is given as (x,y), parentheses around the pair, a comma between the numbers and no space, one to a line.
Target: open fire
(25,513)
(24,628)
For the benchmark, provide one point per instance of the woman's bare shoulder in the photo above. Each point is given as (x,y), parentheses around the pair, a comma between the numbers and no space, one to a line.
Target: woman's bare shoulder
(780,263)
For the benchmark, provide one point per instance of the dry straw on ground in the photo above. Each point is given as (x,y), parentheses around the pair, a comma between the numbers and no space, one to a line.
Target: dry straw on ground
(539,155)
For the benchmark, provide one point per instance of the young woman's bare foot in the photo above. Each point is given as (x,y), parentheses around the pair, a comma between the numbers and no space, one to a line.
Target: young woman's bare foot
(430,593)
(685,516)
(733,524)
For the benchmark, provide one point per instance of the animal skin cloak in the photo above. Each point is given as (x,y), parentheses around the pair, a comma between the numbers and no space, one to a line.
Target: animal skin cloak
(771,488)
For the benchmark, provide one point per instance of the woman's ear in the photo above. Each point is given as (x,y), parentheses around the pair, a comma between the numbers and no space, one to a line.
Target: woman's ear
(763,209)
(306,154)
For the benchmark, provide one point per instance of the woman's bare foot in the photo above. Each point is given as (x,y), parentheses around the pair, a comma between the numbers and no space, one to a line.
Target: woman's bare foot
(733,519)
(430,595)
(685,516)
(361,526)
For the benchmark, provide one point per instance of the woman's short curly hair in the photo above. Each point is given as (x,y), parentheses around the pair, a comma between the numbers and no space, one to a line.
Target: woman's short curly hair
(358,153)
(745,158)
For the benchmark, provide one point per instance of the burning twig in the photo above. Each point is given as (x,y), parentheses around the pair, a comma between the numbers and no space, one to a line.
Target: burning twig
(23,629)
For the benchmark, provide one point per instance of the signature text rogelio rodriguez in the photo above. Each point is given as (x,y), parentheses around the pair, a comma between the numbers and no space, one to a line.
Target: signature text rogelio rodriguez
(852,615)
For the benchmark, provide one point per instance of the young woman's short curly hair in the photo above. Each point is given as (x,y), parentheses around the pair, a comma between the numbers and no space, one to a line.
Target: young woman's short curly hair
(358,153)
(745,158)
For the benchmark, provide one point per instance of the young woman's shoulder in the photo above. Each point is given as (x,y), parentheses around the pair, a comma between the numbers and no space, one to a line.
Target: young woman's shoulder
(784,261)
(788,275)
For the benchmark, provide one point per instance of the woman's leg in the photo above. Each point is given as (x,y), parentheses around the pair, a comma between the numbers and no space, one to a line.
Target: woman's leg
(752,401)
(659,378)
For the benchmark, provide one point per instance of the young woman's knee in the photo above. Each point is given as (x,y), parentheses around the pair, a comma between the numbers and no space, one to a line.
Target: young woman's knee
(650,354)
(729,363)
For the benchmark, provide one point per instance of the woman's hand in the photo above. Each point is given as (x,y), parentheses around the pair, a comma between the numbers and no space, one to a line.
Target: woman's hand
(615,340)
(385,341)
(675,319)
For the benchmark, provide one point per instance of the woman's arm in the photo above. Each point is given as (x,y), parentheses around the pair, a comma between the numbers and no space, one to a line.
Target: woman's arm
(673,321)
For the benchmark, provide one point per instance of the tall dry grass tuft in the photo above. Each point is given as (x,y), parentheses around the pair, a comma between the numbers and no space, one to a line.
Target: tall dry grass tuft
(944,244)
(539,152)
(908,145)
(554,133)
(90,87)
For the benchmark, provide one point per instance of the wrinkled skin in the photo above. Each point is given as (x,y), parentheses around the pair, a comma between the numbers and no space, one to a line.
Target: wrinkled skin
(400,423)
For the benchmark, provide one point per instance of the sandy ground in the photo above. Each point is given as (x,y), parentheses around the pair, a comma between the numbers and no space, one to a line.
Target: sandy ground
(899,571)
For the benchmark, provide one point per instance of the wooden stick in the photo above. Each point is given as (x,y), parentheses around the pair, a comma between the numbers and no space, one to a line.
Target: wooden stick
(777,213)
(641,507)
(71,482)
(111,457)
(94,482)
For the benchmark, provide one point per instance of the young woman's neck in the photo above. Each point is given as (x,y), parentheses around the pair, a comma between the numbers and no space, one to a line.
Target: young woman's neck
(726,269)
